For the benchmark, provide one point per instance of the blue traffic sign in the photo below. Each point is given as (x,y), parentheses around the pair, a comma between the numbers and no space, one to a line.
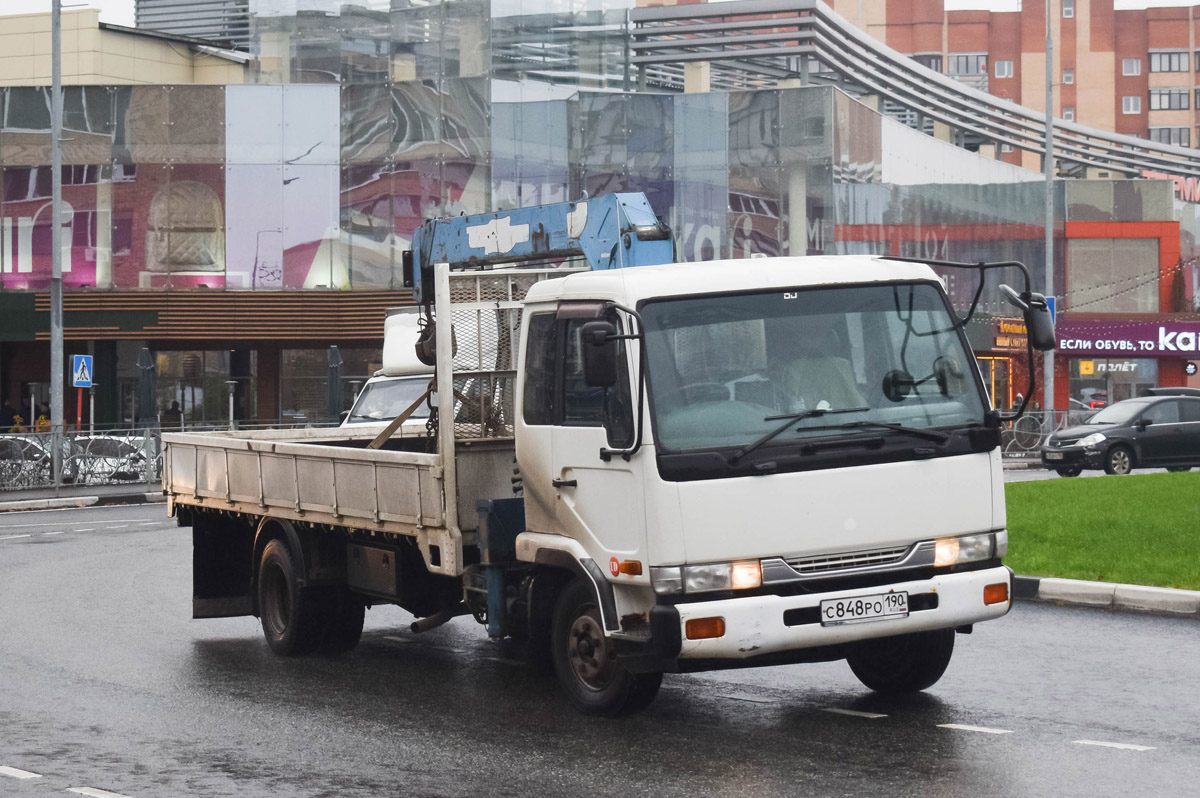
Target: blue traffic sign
(1050,303)
(81,371)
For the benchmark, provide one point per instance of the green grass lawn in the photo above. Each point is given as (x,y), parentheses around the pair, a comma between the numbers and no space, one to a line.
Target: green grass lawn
(1142,529)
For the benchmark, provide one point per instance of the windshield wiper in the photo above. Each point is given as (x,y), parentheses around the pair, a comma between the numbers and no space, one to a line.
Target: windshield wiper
(791,418)
(927,434)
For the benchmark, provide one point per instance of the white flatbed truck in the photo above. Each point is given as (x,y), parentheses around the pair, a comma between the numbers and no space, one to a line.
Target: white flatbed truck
(716,465)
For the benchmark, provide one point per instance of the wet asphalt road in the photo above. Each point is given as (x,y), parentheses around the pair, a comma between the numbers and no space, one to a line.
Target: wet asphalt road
(106,683)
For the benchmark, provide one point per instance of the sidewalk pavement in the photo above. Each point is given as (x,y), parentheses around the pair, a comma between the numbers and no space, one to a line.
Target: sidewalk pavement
(80,496)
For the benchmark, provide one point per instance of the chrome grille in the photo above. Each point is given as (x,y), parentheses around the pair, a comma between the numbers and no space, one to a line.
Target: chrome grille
(847,560)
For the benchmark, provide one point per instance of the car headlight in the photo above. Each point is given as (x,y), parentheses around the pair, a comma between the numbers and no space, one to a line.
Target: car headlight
(968,548)
(1092,440)
(739,575)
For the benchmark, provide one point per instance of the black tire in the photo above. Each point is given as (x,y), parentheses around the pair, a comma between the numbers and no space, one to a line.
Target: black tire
(586,664)
(1074,471)
(1118,461)
(1178,469)
(344,615)
(292,620)
(904,664)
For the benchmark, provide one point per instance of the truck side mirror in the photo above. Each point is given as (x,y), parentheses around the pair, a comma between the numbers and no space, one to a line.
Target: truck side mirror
(1036,313)
(599,354)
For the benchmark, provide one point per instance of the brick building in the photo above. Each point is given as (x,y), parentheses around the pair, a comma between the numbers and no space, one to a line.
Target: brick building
(1135,72)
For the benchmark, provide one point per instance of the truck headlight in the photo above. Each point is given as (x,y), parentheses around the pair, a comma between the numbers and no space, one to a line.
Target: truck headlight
(968,548)
(739,575)
(1095,439)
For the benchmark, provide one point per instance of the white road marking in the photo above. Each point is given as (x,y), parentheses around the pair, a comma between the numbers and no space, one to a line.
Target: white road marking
(17,773)
(14,537)
(854,713)
(983,729)
(25,526)
(1122,746)
(753,699)
(94,793)
(151,523)
(62,532)
(395,639)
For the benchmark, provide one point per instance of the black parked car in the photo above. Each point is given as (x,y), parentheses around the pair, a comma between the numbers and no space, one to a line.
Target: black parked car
(1147,432)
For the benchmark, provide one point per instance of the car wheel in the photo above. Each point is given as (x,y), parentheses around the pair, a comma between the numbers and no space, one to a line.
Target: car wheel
(1119,461)
(1178,469)
(290,615)
(586,663)
(905,664)
(1074,471)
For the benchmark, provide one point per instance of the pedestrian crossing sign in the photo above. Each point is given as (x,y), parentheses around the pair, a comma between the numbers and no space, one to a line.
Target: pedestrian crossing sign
(81,371)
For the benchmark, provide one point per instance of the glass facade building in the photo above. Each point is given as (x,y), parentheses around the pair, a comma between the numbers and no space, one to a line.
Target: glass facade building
(241,219)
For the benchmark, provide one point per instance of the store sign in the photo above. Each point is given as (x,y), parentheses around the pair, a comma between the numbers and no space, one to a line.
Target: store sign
(1009,334)
(1128,338)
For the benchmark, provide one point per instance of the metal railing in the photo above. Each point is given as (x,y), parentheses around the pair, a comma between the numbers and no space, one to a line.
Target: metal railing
(114,456)
(1022,439)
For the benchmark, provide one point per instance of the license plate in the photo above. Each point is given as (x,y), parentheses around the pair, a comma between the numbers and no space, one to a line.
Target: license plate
(1053,455)
(857,609)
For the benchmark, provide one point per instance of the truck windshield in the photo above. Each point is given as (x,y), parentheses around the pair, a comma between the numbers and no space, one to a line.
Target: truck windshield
(727,370)
(386,399)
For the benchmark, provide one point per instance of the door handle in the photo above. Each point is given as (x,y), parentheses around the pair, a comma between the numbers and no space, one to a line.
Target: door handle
(565,483)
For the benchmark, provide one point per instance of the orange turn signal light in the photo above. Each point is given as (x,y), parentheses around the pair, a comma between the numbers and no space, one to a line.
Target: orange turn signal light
(704,628)
(996,594)
(630,568)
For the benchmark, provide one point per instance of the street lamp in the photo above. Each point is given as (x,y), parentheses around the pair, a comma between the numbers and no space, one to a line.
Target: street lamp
(232,387)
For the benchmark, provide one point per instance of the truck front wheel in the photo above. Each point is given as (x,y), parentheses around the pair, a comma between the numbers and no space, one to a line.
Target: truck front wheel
(291,616)
(586,663)
(904,664)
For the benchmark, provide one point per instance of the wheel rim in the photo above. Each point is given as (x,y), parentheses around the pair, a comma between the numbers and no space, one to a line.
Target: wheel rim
(588,652)
(277,603)
(1119,460)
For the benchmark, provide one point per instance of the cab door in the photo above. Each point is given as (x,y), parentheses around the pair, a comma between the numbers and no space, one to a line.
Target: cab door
(599,501)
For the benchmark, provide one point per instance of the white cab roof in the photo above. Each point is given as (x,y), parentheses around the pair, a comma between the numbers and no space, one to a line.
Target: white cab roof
(632,285)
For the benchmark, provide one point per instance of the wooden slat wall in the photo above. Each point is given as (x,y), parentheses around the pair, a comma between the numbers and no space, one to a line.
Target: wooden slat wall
(226,315)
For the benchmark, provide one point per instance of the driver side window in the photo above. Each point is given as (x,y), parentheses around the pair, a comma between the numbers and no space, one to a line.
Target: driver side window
(1162,413)
(555,391)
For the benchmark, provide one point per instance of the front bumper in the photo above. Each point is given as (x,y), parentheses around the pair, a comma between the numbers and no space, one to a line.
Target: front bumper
(1073,457)
(758,627)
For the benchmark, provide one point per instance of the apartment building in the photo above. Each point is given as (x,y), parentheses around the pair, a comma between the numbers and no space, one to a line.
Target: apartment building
(1135,72)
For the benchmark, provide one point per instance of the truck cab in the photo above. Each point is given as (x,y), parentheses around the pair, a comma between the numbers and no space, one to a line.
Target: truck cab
(401,380)
(797,455)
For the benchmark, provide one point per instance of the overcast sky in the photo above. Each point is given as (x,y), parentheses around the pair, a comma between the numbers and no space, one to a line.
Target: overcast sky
(120,12)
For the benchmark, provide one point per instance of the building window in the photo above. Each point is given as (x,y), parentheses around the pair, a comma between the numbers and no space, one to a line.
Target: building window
(1169,62)
(1131,105)
(1004,69)
(1169,99)
(1131,66)
(1177,136)
(929,61)
(1068,8)
(1068,114)
(1069,76)
(966,64)
(1006,148)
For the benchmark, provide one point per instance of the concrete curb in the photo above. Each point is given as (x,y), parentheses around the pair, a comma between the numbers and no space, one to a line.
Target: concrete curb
(1108,595)
(68,502)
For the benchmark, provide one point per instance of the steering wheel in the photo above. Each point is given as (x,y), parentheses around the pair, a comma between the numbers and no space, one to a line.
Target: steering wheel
(715,391)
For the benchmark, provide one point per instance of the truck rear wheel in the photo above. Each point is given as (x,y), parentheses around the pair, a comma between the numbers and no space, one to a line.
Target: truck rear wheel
(291,616)
(904,664)
(586,663)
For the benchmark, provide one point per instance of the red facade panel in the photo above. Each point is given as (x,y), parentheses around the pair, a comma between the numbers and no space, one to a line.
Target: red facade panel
(1131,42)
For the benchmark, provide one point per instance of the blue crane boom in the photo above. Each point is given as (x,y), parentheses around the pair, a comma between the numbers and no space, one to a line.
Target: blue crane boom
(610,232)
